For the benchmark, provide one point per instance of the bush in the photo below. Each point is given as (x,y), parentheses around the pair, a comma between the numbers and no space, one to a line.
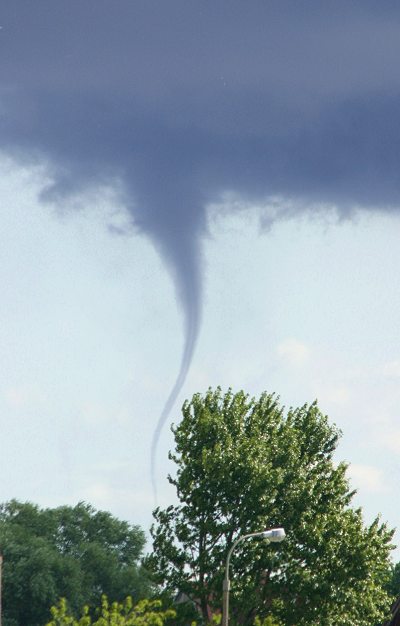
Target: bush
(144,613)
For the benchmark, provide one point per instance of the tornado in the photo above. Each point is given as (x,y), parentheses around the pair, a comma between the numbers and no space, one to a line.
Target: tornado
(191,325)
(167,217)
(179,104)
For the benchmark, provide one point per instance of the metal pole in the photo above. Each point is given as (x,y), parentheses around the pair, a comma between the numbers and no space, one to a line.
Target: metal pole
(226,585)
(225,601)
(275,535)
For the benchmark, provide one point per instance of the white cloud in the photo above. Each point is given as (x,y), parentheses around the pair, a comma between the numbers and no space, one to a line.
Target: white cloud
(333,394)
(94,414)
(391,369)
(391,439)
(368,478)
(23,396)
(293,351)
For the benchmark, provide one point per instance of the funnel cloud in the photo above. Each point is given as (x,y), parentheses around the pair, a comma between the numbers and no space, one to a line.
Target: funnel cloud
(177,103)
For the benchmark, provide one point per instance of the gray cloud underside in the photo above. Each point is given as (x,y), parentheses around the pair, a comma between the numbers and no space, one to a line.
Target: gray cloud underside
(179,102)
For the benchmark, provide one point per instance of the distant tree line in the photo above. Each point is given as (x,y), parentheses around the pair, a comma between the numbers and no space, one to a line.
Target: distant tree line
(73,552)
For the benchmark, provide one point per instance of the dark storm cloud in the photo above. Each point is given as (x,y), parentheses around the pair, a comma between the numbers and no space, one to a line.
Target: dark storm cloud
(178,102)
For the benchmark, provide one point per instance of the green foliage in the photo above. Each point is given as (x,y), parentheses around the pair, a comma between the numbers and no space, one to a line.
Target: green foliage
(144,613)
(243,466)
(267,621)
(75,552)
(394,581)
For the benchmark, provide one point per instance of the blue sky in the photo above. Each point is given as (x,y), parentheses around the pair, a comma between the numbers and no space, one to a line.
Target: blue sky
(219,182)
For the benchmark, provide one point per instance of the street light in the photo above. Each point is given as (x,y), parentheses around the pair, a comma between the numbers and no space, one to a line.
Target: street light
(274,535)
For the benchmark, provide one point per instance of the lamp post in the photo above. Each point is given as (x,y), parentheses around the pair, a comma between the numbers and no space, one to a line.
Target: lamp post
(274,535)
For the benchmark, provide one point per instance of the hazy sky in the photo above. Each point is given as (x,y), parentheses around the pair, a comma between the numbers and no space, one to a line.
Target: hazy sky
(213,180)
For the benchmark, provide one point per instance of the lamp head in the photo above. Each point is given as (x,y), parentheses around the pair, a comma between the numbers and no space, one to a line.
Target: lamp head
(274,535)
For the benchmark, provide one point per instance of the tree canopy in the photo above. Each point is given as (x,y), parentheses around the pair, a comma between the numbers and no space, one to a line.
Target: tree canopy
(244,465)
(394,582)
(73,552)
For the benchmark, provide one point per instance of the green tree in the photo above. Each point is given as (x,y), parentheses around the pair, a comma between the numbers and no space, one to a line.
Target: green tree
(394,582)
(144,613)
(75,552)
(243,465)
